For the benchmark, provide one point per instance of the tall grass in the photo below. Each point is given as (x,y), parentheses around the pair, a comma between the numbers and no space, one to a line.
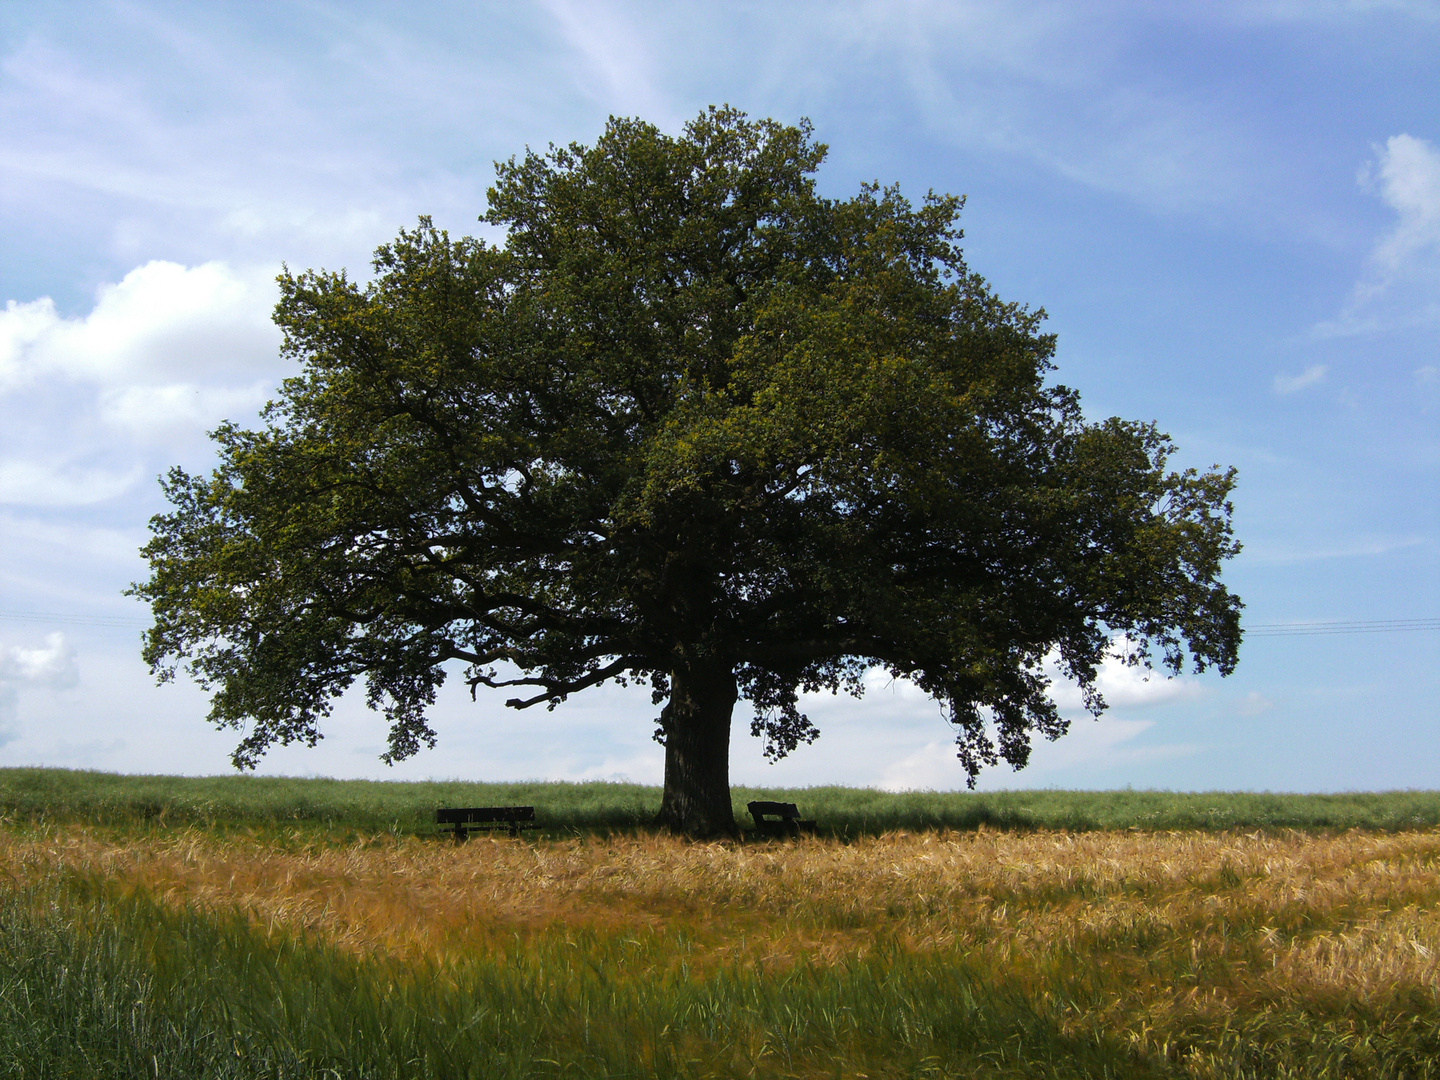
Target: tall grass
(109,985)
(53,795)
(988,954)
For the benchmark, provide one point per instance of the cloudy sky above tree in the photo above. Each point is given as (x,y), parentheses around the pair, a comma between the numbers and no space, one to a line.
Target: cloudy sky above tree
(1231,212)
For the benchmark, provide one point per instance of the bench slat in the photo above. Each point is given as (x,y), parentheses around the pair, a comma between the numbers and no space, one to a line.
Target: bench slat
(481,814)
(778,819)
(464,818)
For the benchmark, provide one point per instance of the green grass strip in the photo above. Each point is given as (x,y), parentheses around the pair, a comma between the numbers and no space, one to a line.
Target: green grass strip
(60,795)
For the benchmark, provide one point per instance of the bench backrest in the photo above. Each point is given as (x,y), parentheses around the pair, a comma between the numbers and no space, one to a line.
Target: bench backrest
(479,815)
(786,811)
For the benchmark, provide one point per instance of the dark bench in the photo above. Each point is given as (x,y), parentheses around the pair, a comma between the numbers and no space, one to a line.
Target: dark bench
(463,819)
(779,819)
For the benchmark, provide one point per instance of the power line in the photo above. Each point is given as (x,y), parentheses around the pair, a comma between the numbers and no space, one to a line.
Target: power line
(72,620)
(1345,626)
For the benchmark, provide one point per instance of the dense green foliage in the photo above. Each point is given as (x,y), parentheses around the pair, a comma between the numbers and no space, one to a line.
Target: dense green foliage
(58,795)
(695,425)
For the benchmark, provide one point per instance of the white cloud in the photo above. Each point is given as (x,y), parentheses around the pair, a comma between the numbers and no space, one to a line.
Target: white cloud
(159,413)
(161,320)
(162,356)
(1255,703)
(57,483)
(1089,747)
(1122,686)
(1401,285)
(51,664)
(1288,384)
(1408,177)
(21,326)
(934,767)
(875,740)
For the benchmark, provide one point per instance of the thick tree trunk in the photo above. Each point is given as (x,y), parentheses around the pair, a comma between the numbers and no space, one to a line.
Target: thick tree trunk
(697,753)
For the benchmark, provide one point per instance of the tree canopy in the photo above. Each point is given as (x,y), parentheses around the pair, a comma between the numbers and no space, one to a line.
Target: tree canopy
(690,424)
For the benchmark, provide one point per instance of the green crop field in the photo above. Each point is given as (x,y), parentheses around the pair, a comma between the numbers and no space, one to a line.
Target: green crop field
(252,927)
(61,795)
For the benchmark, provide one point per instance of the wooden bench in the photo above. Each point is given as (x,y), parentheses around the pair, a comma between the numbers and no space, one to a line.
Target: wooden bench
(463,819)
(779,819)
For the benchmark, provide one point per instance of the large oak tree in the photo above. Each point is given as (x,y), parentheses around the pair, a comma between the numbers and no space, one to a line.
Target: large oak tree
(690,424)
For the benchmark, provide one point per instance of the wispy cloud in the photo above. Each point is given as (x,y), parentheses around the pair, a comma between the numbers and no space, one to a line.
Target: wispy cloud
(1401,283)
(1408,178)
(1274,554)
(1255,704)
(60,482)
(1311,376)
(1063,87)
(1328,11)
(269,150)
(617,64)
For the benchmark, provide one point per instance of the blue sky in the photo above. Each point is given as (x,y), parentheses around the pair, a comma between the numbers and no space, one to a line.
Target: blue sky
(1230,211)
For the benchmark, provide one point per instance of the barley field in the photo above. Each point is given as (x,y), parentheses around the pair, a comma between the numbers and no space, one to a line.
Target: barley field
(287,951)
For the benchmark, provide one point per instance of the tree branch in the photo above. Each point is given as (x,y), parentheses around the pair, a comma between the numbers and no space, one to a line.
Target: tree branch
(554,688)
